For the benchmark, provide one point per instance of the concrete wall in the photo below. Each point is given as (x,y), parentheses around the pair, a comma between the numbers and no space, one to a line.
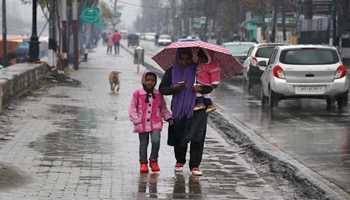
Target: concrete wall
(18,78)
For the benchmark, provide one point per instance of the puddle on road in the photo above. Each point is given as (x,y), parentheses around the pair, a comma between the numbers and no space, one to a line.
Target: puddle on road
(12,177)
(73,141)
(59,96)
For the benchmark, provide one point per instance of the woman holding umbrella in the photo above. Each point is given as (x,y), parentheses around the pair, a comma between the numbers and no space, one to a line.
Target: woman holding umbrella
(189,126)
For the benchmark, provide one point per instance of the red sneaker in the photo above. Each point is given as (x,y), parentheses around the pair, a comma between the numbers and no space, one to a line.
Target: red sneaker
(179,167)
(143,168)
(154,165)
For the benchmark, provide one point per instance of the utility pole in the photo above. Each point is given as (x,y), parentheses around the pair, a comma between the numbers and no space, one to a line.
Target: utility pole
(52,33)
(4,35)
(174,18)
(34,39)
(284,21)
(64,33)
(75,27)
(274,20)
(334,19)
(115,14)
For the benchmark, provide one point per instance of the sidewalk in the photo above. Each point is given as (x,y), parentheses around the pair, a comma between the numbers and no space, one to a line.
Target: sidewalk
(77,143)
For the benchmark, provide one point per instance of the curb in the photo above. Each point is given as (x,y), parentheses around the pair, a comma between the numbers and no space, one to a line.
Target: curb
(310,182)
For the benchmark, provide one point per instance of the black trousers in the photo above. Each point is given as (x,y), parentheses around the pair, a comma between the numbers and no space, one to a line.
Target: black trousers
(196,154)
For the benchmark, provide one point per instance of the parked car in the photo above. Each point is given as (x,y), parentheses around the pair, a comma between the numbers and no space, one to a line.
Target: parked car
(239,50)
(188,38)
(305,71)
(150,36)
(133,39)
(164,40)
(258,52)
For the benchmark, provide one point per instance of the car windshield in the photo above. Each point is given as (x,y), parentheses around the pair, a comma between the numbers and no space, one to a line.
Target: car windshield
(264,52)
(239,49)
(309,56)
(164,37)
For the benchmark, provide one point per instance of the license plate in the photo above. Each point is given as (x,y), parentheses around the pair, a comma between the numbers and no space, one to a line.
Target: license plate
(310,90)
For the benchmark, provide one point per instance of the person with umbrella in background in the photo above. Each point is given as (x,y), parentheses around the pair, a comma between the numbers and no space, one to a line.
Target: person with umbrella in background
(179,81)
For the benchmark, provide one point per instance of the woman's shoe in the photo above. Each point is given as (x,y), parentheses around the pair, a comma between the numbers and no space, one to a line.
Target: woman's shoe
(196,172)
(154,165)
(143,168)
(179,167)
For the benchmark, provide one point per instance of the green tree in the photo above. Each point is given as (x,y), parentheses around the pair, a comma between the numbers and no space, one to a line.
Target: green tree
(110,16)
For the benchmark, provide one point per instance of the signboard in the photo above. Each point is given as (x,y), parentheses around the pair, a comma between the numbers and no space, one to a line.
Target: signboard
(90,16)
(198,22)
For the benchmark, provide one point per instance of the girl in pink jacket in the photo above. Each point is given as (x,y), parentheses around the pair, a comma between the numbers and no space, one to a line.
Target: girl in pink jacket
(147,111)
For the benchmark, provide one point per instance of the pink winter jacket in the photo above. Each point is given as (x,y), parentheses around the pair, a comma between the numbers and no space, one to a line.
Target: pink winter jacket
(148,117)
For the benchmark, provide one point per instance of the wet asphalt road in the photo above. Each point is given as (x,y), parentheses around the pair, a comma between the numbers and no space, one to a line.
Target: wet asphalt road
(70,142)
(305,129)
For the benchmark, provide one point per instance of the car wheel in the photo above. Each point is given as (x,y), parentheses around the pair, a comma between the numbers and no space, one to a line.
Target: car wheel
(263,98)
(273,99)
(343,100)
(329,103)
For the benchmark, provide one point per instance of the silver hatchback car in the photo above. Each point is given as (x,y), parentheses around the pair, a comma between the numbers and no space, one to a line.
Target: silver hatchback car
(305,71)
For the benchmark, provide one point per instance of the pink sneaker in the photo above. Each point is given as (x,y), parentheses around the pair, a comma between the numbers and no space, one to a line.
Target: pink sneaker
(179,167)
(196,172)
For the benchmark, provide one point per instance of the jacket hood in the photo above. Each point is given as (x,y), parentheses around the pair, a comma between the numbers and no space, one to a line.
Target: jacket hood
(143,79)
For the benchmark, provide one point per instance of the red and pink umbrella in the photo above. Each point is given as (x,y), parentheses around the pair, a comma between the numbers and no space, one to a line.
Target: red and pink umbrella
(228,64)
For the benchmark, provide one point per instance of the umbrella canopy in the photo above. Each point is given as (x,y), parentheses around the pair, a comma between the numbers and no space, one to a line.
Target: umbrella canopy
(228,64)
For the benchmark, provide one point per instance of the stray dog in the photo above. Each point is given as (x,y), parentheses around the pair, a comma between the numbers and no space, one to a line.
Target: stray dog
(114,80)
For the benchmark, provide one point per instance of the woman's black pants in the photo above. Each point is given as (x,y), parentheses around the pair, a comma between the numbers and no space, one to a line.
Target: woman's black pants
(196,153)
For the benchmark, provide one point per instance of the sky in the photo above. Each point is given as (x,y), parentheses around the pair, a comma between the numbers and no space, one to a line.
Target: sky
(130,11)
(19,15)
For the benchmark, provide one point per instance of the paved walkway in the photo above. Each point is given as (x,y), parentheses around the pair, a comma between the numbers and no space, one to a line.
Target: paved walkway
(76,143)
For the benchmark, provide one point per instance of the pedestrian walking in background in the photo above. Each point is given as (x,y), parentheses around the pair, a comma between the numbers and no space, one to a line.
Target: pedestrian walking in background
(116,40)
(109,43)
(104,38)
(147,111)
(189,126)
(156,39)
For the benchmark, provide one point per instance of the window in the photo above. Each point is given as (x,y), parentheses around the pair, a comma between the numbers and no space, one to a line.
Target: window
(264,52)
(250,51)
(273,57)
(309,56)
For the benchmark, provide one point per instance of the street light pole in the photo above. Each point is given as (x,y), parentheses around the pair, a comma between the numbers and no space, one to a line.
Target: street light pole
(4,35)
(52,33)
(64,42)
(34,40)
(75,24)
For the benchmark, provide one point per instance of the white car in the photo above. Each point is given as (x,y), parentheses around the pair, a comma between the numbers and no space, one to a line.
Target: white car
(150,36)
(239,50)
(305,71)
(259,52)
(164,40)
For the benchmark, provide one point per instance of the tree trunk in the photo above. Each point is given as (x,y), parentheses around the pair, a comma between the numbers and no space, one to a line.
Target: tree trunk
(4,34)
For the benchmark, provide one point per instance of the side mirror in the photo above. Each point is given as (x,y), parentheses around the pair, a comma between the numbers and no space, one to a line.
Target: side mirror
(262,63)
